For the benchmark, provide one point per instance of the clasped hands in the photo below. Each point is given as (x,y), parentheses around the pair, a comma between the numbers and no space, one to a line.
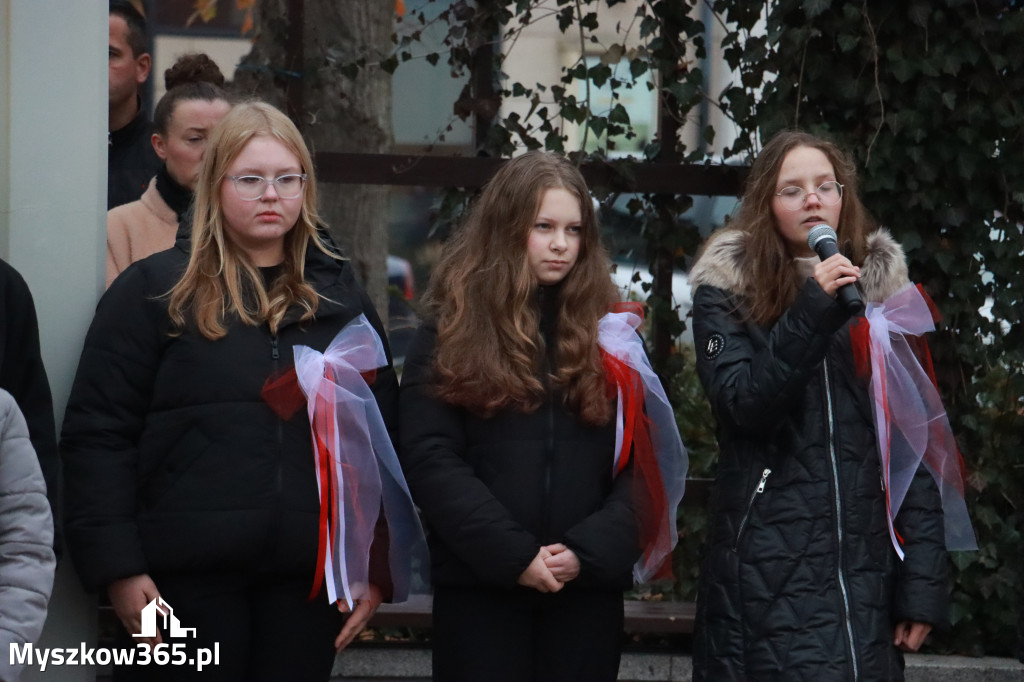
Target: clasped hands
(551,569)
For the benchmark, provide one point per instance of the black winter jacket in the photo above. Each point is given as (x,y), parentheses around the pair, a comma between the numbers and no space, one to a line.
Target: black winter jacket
(131,160)
(493,491)
(173,461)
(799,579)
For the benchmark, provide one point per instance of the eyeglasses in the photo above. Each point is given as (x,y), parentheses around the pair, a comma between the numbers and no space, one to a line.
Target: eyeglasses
(792,198)
(253,187)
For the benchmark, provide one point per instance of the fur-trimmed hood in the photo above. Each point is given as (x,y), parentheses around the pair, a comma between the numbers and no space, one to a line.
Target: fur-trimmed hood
(721,265)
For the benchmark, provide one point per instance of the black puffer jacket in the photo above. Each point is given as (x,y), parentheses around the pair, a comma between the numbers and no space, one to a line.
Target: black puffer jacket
(173,461)
(493,491)
(799,579)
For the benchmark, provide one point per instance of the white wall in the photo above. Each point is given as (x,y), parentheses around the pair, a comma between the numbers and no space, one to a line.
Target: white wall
(53,122)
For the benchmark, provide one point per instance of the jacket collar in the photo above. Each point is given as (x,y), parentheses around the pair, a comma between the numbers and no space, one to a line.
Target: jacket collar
(126,134)
(721,265)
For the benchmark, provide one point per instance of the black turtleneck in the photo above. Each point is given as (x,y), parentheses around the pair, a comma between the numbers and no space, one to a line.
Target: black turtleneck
(178,197)
(549,305)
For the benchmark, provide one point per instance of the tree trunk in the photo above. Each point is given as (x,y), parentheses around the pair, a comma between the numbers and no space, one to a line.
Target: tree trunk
(296,63)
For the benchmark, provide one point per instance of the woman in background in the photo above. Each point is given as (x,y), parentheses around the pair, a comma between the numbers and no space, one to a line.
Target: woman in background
(182,124)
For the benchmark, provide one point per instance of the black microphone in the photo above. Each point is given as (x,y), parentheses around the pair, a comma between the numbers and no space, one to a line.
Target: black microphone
(822,239)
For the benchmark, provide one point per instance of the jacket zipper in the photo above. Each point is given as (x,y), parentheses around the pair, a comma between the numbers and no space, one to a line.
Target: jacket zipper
(549,452)
(549,442)
(275,355)
(750,506)
(839,519)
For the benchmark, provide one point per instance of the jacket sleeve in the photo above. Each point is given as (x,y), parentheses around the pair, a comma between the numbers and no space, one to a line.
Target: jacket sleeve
(922,589)
(607,542)
(457,505)
(752,386)
(106,412)
(23,375)
(27,561)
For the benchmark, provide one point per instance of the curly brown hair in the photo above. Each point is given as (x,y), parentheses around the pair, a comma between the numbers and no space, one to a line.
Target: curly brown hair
(772,283)
(483,297)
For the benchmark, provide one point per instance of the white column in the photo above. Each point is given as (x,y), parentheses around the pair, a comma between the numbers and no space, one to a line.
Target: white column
(53,139)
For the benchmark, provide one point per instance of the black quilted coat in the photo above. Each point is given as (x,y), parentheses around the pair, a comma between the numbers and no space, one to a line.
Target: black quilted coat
(172,459)
(799,579)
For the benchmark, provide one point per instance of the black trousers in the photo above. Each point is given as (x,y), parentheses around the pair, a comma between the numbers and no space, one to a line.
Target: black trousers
(263,627)
(522,635)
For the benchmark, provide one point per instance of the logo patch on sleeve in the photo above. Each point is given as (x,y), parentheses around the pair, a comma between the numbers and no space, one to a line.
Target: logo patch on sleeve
(714,346)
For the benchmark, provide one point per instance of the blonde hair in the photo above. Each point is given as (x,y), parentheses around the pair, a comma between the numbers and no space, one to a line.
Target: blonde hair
(483,295)
(220,280)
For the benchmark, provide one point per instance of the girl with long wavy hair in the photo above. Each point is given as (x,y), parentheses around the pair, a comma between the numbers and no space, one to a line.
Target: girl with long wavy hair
(839,486)
(509,428)
(195,483)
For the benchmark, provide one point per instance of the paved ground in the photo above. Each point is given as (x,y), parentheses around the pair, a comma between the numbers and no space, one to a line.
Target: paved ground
(413,665)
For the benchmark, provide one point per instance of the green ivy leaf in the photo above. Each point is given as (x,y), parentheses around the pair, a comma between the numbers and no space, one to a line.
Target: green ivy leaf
(554,142)
(813,8)
(390,64)
(613,55)
(848,42)
(599,74)
(618,114)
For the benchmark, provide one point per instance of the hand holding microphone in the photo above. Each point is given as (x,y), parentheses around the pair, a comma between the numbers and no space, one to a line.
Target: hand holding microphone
(822,239)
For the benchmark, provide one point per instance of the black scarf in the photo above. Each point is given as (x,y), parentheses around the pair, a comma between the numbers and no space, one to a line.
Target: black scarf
(177,197)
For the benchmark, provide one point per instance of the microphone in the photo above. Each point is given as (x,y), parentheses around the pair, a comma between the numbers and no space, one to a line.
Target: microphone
(822,239)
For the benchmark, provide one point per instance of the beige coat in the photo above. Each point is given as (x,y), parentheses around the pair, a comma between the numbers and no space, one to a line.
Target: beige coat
(138,230)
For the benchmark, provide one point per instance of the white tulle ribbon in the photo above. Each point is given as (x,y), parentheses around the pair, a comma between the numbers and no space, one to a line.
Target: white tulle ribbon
(356,465)
(910,422)
(617,337)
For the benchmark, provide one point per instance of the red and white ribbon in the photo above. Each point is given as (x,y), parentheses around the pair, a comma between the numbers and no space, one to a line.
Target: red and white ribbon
(645,425)
(357,470)
(910,422)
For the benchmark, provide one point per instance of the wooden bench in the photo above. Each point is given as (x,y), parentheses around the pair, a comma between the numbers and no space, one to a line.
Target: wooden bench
(642,617)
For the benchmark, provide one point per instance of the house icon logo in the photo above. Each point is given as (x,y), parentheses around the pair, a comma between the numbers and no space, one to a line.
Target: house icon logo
(171,623)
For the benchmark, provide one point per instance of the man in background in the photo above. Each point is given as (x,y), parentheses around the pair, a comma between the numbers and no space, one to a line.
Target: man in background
(131,161)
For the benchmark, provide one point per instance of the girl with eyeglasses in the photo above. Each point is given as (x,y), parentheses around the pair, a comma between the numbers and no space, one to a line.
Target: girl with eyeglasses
(226,442)
(839,486)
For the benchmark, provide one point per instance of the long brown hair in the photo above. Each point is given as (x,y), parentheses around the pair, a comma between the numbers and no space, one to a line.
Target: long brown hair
(220,280)
(483,296)
(771,280)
